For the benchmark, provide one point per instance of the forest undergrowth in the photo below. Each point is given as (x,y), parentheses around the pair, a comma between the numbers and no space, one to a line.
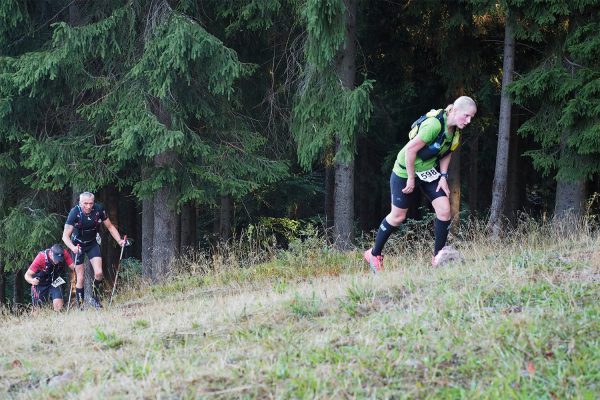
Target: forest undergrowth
(519,318)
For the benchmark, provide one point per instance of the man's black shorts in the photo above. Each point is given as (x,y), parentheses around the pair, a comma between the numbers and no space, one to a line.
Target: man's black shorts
(92,250)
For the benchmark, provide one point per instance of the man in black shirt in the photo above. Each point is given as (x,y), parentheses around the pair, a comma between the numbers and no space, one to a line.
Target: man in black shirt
(79,234)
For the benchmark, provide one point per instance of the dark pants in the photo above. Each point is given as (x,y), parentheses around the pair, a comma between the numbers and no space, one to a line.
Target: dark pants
(40,293)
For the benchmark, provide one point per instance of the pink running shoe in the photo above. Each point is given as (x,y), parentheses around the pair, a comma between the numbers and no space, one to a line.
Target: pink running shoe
(435,260)
(375,262)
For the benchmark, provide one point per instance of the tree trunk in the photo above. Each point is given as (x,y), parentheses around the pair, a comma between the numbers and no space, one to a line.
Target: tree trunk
(570,198)
(18,288)
(515,175)
(474,175)
(147,236)
(570,195)
(188,228)
(2,284)
(88,282)
(165,246)
(225,214)
(344,206)
(329,195)
(454,185)
(178,232)
(75,19)
(138,249)
(128,224)
(110,254)
(74,13)
(165,221)
(3,206)
(344,171)
(501,171)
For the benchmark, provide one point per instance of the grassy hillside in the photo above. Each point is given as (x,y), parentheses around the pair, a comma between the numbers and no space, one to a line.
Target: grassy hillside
(519,319)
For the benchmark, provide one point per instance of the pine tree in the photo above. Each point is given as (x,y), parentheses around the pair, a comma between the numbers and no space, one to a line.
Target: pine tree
(330,111)
(562,92)
(144,86)
(28,219)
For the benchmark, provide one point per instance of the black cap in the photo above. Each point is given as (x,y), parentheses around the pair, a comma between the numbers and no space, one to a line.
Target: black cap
(58,253)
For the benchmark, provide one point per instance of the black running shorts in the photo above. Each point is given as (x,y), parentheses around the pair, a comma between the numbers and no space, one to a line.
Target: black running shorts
(402,200)
(92,250)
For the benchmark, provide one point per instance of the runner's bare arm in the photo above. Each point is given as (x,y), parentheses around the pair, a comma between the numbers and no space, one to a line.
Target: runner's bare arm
(412,148)
(443,184)
(66,238)
(113,231)
(30,279)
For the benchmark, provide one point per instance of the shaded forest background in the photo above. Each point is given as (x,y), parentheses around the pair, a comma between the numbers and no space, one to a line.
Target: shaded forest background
(195,121)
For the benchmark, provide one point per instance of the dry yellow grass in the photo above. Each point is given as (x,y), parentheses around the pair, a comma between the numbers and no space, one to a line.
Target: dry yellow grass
(518,319)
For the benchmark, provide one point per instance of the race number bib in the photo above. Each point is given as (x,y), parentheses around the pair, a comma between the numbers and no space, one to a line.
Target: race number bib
(428,176)
(58,281)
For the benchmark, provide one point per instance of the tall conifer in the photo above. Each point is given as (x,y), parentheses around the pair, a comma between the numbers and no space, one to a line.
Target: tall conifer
(83,105)
(562,92)
(330,111)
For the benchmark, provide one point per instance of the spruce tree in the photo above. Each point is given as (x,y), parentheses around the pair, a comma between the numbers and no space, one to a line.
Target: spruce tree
(28,218)
(561,92)
(330,109)
(144,86)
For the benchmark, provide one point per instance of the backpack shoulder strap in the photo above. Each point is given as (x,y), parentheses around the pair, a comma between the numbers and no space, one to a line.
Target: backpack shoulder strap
(79,216)
(453,146)
(433,113)
(440,117)
(96,216)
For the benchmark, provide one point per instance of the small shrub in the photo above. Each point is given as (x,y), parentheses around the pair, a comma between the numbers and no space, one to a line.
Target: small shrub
(108,340)
(141,324)
(280,286)
(133,368)
(130,270)
(356,294)
(305,308)
(359,293)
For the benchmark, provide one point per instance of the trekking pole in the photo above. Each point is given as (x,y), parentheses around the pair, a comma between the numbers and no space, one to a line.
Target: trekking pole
(118,267)
(70,293)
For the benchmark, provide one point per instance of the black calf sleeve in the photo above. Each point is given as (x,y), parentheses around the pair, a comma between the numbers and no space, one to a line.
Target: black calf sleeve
(441,234)
(383,234)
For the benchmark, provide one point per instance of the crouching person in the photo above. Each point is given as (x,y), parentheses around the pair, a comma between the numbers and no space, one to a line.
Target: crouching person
(44,276)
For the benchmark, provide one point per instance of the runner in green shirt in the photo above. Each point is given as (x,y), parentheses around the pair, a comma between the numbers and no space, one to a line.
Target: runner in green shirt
(423,163)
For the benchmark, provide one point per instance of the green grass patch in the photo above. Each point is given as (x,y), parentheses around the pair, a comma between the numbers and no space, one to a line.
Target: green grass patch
(108,340)
(305,307)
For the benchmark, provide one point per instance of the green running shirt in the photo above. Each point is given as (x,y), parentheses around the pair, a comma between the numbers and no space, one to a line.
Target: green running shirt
(428,132)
